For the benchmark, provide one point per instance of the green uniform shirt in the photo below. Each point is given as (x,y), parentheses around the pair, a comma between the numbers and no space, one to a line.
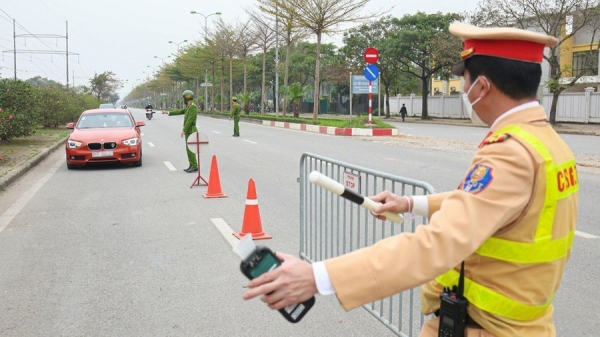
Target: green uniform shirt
(236,109)
(189,119)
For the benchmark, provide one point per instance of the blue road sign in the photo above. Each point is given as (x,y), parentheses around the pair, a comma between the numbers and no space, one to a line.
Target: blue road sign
(360,85)
(371,72)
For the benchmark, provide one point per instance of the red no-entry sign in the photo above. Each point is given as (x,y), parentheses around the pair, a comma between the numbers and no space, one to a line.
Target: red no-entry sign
(371,55)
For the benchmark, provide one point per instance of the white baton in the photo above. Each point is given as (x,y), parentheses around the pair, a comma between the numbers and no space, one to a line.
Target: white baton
(327,183)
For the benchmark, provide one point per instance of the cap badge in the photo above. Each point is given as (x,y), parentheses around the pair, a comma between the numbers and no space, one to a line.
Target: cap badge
(466,53)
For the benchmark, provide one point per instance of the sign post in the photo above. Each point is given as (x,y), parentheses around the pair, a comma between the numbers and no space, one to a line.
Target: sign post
(193,143)
(371,55)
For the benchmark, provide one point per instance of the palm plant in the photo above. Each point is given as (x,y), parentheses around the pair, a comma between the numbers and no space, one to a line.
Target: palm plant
(245,98)
(295,92)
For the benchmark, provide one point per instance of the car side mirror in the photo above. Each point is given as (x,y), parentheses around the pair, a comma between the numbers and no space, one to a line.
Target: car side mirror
(70,126)
(139,123)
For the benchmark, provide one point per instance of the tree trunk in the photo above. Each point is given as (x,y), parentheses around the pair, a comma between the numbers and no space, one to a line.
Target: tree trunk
(317,81)
(387,102)
(424,93)
(245,72)
(230,81)
(288,50)
(222,82)
(262,91)
(552,117)
(212,89)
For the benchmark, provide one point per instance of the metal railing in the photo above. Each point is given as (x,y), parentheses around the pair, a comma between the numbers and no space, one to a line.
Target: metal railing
(331,226)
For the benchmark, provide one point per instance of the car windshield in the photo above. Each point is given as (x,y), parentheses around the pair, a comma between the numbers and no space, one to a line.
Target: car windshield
(106,120)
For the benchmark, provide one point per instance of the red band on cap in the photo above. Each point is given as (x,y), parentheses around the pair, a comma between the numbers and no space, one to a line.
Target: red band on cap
(509,49)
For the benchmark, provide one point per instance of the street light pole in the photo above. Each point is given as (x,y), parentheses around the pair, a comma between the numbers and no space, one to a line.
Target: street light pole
(162,58)
(206,67)
(178,44)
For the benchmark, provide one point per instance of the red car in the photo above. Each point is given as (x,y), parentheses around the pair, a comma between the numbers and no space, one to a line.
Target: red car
(104,136)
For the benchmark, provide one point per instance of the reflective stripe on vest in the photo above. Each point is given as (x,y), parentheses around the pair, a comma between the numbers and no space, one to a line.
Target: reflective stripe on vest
(493,302)
(542,250)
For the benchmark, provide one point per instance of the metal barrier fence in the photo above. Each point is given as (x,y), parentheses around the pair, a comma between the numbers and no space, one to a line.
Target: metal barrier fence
(331,226)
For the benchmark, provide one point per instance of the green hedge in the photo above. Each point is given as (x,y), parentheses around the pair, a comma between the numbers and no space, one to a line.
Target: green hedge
(23,108)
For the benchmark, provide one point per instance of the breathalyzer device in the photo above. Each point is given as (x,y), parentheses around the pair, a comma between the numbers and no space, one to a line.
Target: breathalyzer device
(257,260)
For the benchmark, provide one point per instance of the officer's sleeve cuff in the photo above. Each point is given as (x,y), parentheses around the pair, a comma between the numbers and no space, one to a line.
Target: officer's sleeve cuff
(322,280)
(420,205)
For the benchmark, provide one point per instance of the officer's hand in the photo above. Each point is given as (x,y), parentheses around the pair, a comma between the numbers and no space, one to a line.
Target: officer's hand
(389,203)
(291,283)
(182,133)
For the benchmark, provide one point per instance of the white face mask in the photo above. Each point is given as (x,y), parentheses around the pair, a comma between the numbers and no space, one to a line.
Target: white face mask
(472,113)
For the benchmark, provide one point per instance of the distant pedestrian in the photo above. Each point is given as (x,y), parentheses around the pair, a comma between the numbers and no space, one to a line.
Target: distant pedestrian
(236,109)
(403,112)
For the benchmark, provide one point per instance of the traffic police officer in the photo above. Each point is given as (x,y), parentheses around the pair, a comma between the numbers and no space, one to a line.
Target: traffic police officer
(236,109)
(190,112)
(511,220)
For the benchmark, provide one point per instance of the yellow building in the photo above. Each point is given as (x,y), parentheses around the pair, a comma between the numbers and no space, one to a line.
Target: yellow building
(451,87)
(574,56)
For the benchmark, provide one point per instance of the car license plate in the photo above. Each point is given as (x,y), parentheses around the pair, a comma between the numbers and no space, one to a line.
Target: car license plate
(102,154)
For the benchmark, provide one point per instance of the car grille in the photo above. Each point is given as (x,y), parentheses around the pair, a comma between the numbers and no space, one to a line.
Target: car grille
(100,146)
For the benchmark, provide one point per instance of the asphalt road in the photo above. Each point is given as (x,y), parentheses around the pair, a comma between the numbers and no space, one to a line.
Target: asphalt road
(113,250)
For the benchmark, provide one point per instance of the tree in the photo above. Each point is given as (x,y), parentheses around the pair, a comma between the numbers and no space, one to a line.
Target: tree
(265,36)
(245,98)
(227,37)
(424,40)
(291,32)
(549,17)
(376,34)
(296,92)
(323,17)
(104,85)
(246,45)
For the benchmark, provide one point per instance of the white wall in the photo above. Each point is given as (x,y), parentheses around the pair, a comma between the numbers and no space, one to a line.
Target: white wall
(580,107)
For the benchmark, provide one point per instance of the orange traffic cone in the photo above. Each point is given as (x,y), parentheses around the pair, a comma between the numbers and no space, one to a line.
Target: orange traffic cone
(214,182)
(251,224)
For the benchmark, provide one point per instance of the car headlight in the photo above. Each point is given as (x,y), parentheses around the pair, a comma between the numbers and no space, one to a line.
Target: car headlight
(73,144)
(131,141)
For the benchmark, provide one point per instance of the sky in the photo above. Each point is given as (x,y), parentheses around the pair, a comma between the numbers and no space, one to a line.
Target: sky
(123,36)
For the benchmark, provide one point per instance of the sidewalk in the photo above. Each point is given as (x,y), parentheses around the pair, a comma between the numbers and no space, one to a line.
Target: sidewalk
(563,128)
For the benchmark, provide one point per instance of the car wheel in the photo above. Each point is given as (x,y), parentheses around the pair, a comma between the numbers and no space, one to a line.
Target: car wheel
(70,166)
(139,162)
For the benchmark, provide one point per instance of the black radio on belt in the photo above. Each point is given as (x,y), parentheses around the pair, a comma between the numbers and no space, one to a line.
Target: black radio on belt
(453,310)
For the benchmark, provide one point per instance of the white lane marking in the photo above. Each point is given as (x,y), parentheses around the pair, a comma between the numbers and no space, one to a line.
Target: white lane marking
(142,133)
(216,131)
(391,159)
(170,166)
(18,205)
(249,141)
(586,235)
(150,144)
(225,230)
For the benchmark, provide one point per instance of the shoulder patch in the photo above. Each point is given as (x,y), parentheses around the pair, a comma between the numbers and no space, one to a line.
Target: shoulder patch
(494,139)
(478,179)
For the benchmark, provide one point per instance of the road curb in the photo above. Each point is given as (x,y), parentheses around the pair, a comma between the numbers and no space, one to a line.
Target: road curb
(21,169)
(331,130)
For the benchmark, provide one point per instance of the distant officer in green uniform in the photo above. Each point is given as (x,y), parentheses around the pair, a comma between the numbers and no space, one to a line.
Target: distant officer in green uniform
(235,114)
(190,113)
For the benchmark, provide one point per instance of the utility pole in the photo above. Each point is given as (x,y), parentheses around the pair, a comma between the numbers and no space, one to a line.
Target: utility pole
(276,94)
(67,51)
(206,67)
(41,36)
(15,46)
